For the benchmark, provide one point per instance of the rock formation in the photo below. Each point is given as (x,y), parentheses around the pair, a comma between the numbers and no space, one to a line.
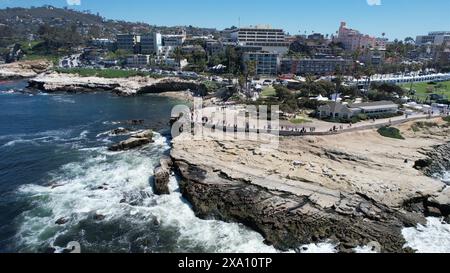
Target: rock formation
(135,141)
(60,82)
(355,188)
(162,176)
(21,70)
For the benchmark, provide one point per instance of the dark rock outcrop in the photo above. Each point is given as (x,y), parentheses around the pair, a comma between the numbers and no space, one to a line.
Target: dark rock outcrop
(136,140)
(287,220)
(437,160)
(162,176)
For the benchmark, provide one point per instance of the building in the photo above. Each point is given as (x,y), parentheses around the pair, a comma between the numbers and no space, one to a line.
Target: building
(151,43)
(138,60)
(102,43)
(214,47)
(347,111)
(190,49)
(173,40)
(317,66)
(127,42)
(374,57)
(271,40)
(267,64)
(434,38)
(353,39)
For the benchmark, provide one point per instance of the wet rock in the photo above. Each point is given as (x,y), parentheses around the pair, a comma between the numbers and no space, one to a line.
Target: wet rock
(136,140)
(162,176)
(119,131)
(99,217)
(61,221)
(433,212)
(135,122)
(437,161)
(50,250)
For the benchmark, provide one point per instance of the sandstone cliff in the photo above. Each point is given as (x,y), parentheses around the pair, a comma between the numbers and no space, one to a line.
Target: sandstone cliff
(353,188)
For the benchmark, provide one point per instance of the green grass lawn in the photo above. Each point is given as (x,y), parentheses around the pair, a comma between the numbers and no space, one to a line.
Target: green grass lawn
(300,121)
(390,132)
(422,89)
(268,91)
(104,73)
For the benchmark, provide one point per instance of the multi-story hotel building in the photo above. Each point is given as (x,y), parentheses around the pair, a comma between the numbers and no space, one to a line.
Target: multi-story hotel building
(267,64)
(127,42)
(435,38)
(317,66)
(269,39)
(353,39)
(151,43)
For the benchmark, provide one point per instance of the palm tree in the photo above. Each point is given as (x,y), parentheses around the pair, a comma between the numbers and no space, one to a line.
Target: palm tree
(178,53)
(250,70)
(368,72)
(309,80)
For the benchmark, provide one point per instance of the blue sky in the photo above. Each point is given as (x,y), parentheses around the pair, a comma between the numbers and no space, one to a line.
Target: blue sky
(397,18)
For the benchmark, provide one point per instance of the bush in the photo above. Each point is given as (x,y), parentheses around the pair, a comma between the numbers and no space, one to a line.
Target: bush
(447,119)
(390,132)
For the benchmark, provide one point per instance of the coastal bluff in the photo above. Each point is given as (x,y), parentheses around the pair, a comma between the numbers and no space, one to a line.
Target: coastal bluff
(23,70)
(354,189)
(73,83)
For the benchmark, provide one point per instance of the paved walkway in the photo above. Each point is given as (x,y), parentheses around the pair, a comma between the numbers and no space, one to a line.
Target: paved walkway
(234,118)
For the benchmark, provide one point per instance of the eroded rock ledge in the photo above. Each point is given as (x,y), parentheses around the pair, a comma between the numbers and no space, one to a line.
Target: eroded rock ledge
(59,82)
(21,70)
(355,188)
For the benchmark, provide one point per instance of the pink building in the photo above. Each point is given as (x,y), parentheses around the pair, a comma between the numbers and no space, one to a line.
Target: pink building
(353,39)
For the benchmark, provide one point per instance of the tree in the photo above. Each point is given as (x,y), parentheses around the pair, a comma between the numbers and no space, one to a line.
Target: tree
(178,54)
(309,80)
(368,72)
(250,70)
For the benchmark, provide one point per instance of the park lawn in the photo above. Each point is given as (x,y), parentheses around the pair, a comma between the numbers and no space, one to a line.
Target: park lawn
(268,91)
(422,92)
(300,121)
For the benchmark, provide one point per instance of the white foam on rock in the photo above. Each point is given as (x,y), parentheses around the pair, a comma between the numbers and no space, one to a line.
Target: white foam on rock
(434,237)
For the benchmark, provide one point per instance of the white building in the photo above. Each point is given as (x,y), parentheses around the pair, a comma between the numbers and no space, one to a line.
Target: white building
(173,40)
(269,39)
(347,111)
(435,38)
(439,77)
(151,43)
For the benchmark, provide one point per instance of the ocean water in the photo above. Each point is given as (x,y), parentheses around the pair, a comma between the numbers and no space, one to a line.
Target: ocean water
(54,165)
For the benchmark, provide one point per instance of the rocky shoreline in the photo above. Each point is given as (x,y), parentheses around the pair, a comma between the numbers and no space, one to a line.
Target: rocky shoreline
(23,70)
(345,191)
(59,82)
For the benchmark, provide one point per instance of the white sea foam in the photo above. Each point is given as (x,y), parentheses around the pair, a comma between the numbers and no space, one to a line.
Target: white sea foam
(434,237)
(98,184)
(446,178)
(63,99)
(364,250)
(325,247)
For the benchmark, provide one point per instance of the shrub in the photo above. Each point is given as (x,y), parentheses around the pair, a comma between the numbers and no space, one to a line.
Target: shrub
(390,132)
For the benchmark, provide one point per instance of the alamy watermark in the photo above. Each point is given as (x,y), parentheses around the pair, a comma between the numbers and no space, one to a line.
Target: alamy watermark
(247,122)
